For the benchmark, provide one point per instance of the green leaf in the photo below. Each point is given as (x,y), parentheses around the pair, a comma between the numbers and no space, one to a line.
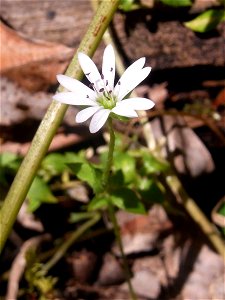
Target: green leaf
(152,165)
(127,200)
(117,179)
(177,3)
(99,202)
(150,191)
(72,157)
(10,161)
(6,158)
(206,21)
(126,5)
(39,193)
(54,163)
(126,163)
(9,164)
(86,172)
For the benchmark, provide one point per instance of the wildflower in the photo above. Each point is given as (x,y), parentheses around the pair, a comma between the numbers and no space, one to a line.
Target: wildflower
(101,97)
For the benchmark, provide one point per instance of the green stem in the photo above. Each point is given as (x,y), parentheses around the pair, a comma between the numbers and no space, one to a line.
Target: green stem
(50,123)
(66,244)
(120,244)
(105,180)
(105,176)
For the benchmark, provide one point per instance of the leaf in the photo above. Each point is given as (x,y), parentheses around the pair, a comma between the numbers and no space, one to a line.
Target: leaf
(54,163)
(177,3)
(10,161)
(9,164)
(152,165)
(117,179)
(24,59)
(126,5)
(126,163)
(86,172)
(39,193)
(98,202)
(150,191)
(72,157)
(206,21)
(127,200)
(6,158)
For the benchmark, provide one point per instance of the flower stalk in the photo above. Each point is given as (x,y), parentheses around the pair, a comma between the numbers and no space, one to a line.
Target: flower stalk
(105,177)
(111,210)
(50,124)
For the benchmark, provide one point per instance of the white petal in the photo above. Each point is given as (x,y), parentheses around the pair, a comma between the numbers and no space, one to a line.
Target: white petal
(108,67)
(86,113)
(131,82)
(74,85)
(124,111)
(137,103)
(99,120)
(73,99)
(132,69)
(89,68)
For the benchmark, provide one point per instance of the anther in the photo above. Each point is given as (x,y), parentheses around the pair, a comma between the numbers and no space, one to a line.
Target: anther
(87,74)
(119,83)
(106,82)
(87,96)
(102,76)
(101,90)
(111,69)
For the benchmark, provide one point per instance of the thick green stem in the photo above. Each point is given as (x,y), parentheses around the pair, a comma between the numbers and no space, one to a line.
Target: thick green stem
(105,177)
(66,244)
(120,244)
(50,123)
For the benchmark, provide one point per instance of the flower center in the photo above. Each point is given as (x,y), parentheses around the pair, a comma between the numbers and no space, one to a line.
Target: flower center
(104,93)
(107,100)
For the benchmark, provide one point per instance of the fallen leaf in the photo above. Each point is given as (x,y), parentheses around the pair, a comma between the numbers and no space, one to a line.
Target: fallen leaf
(31,63)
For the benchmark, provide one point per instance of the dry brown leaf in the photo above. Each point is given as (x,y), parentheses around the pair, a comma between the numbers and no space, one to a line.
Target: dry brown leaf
(32,63)
(183,148)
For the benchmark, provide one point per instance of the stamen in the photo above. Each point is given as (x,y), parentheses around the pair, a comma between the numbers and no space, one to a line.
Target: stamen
(106,82)
(91,85)
(101,90)
(119,83)
(110,91)
(111,69)
(87,96)
(102,76)
(87,74)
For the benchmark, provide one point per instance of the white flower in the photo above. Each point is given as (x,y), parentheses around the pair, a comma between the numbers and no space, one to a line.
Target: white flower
(103,98)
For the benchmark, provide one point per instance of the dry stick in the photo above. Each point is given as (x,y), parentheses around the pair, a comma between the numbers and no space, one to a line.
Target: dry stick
(173,181)
(50,123)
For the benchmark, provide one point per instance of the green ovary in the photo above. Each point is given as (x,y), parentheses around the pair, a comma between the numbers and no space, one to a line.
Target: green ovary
(108,102)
